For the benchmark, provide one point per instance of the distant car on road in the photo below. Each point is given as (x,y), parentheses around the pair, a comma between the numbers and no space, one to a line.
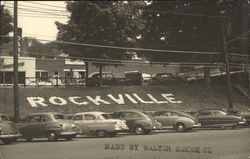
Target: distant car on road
(107,79)
(165,78)
(50,125)
(98,123)
(216,118)
(174,119)
(137,121)
(8,131)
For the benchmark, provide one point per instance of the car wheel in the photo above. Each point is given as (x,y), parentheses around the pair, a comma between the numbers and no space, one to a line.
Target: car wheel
(139,130)
(112,134)
(147,131)
(29,139)
(101,133)
(68,138)
(52,136)
(7,141)
(180,127)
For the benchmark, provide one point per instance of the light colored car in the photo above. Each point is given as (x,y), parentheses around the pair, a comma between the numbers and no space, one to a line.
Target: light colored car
(8,131)
(174,119)
(50,125)
(98,123)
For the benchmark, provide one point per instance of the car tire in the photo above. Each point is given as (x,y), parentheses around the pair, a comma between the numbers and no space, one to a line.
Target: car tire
(180,127)
(68,138)
(139,130)
(52,136)
(7,141)
(101,133)
(147,131)
(29,139)
(112,134)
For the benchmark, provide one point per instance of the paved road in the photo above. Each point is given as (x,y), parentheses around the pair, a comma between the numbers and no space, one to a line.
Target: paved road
(200,144)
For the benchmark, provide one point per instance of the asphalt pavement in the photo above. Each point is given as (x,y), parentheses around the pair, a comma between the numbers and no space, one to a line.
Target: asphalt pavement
(196,144)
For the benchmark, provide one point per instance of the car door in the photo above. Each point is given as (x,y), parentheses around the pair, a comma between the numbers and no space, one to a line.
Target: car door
(78,119)
(28,128)
(40,125)
(206,118)
(161,117)
(89,120)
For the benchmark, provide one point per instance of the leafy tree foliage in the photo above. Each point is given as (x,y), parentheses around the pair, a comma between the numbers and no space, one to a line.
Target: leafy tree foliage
(114,23)
(192,26)
(5,24)
(37,49)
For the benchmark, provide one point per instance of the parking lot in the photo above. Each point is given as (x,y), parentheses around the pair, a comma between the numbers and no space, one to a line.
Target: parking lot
(196,144)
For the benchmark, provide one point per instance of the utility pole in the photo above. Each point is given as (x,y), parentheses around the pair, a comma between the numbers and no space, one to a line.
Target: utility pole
(86,74)
(225,51)
(15,67)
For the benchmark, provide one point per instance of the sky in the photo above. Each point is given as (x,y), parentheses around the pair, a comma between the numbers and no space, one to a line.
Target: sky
(37,18)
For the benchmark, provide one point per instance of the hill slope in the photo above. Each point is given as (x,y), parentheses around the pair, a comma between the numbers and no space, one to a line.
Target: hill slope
(71,100)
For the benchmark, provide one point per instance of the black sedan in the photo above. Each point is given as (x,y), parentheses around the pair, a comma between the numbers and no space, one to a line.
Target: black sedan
(216,118)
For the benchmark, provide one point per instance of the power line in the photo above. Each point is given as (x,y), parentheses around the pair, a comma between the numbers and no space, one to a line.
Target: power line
(138,49)
(30,10)
(48,5)
(134,49)
(108,61)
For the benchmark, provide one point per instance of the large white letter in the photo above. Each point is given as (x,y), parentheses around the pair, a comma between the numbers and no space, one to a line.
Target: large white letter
(60,101)
(36,100)
(97,100)
(131,99)
(155,100)
(141,100)
(120,100)
(169,98)
(73,100)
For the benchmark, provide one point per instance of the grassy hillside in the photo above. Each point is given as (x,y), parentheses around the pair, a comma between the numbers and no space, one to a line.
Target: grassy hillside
(192,96)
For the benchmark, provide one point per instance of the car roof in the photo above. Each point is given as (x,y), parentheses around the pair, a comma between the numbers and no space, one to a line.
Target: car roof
(93,112)
(130,110)
(94,73)
(44,113)
(210,110)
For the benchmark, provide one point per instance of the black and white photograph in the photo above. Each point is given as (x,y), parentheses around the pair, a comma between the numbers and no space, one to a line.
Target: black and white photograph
(156,79)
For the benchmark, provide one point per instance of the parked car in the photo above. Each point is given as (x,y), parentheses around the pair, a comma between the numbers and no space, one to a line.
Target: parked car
(98,123)
(165,78)
(8,131)
(107,79)
(50,125)
(174,119)
(137,121)
(216,118)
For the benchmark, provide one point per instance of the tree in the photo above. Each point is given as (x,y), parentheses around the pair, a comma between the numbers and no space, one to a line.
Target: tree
(114,23)
(190,26)
(35,48)
(5,25)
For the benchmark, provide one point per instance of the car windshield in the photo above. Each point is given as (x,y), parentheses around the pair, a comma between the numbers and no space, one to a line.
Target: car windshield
(59,116)
(3,118)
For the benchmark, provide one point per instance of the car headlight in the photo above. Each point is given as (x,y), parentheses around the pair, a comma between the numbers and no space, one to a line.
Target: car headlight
(73,125)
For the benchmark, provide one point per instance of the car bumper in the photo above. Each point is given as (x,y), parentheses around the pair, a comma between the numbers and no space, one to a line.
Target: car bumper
(68,133)
(157,126)
(196,125)
(10,136)
(242,123)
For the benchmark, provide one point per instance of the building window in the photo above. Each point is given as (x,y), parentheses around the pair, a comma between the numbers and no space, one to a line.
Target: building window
(42,75)
(6,77)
